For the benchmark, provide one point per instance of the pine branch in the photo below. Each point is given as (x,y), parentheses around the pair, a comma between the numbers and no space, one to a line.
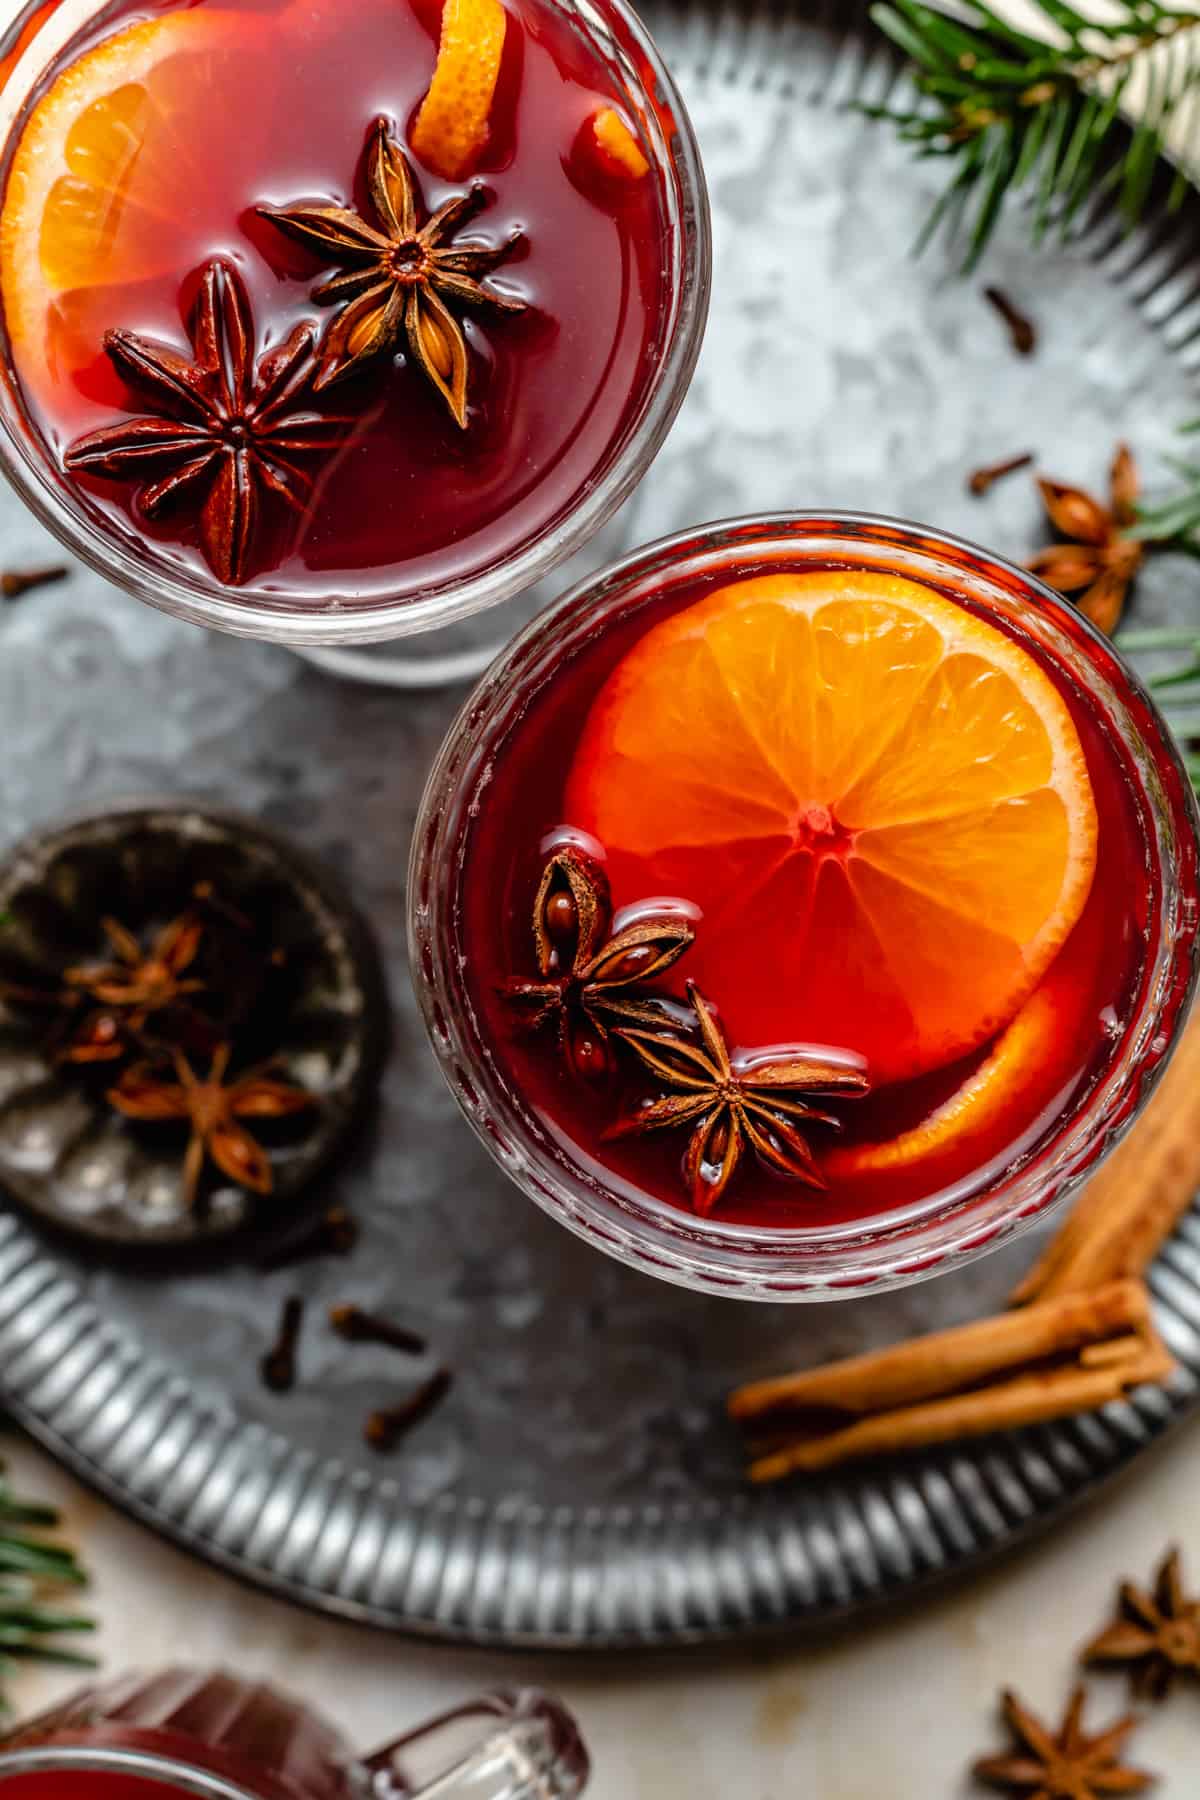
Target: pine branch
(1012,113)
(34,1570)
(1176,517)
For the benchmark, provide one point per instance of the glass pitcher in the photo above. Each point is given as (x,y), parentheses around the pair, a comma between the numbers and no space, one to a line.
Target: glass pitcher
(186,1734)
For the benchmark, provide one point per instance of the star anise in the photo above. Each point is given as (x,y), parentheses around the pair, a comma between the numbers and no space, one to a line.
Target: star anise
(398,280)
(1157,1633)
(1100,563)
(588,979)
(1068,1766)
(227,427)
(101,1006)
(756,1104)
(212,1106)
(141,982)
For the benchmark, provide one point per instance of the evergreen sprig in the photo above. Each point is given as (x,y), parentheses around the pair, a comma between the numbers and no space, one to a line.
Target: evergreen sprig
(1176,516)
(34,1571)
(1177,690)
(1011,113)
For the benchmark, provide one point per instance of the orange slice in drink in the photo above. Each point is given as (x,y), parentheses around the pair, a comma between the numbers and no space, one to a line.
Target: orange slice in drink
(451,128)
(620,152)
(106,168)
(1019,1064)
(879,801)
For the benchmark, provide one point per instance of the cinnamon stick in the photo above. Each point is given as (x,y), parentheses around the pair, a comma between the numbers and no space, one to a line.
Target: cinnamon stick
(945,1362)
(1133,1204)
(1031,1399)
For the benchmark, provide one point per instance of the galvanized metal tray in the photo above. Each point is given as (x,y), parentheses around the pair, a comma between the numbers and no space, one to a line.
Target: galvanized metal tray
(578,1488)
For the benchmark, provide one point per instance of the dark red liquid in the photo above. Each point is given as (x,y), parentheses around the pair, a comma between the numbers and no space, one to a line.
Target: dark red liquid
(1092,986)
(263,1741)
(409,501)
(86,1784)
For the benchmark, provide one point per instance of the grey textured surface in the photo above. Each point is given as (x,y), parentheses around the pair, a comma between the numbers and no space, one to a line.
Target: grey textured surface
(579,1487)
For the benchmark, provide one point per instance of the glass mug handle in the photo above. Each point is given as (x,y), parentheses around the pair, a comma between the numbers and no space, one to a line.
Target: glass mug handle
(517,1744)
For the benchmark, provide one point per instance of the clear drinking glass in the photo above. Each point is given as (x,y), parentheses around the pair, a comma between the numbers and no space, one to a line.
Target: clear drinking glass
(37,31)
(796,1262)
(187,1734)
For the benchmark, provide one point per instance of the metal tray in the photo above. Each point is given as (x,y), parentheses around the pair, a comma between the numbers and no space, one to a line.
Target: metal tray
(579,1488)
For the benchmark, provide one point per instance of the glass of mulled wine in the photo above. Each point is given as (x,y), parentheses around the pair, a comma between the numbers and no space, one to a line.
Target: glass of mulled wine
(805,904)
(377,354)
(186,1734)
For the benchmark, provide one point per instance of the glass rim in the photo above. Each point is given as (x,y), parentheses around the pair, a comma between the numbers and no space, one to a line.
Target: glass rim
(796,1262)
(341,619)
(140,1762)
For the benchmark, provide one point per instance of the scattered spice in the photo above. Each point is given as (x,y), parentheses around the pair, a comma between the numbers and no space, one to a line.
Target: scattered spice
(212,1106)
(1021,329)
(208,900)
(1157,1633)
(397,278)
(758,1106)
(590,981)
(358,1326)
(1064,1356)
(228,429)
(278,1366)
(1064,1765)
(981,481)
(1102,556)
(385,1428)
(15,582)
(333,1233)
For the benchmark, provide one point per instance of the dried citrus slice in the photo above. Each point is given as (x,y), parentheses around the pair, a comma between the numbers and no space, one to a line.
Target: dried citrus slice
(879,801)
(452,125)
(106,164)
(619,149)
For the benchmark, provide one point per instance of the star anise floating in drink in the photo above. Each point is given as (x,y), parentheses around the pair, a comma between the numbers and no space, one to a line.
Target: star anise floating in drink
(213,1106)
(589,979)
(1064,1765)
(400,281)
(1156,1635)
(759,1105)
(228,428)
(1101,552)
(593,988)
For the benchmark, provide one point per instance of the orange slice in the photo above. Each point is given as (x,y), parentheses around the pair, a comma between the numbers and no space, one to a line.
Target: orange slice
(879,801)
(107,165)
(1016,1067)
(452,125)
(619,149)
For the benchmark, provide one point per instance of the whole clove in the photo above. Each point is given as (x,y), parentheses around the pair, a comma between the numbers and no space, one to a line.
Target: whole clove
(358,1326)
(278,1366)
(385,1428)
(15,582)
(981,481)
(1021,329)
(333,1233)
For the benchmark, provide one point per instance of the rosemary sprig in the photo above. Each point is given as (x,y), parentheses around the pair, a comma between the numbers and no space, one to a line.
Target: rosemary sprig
(34,1570)
(1010,112)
